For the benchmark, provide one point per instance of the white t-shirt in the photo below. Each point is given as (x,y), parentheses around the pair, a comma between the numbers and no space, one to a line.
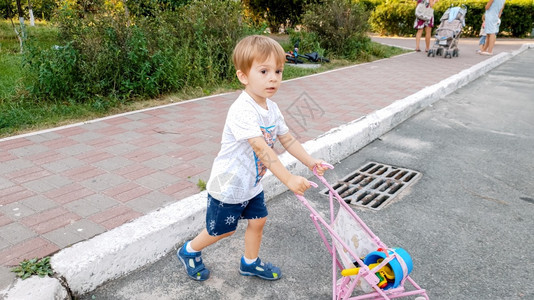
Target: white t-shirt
(237,171)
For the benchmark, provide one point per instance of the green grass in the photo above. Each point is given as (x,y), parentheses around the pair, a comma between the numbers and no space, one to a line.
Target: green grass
(42,34)
(10,62)
(11,73)
(18,114)
(22,116)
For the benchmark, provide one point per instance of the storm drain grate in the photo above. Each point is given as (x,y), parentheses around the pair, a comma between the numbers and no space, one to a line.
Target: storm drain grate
(374,185)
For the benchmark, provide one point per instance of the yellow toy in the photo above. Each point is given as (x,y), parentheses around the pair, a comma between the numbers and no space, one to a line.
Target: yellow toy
(384,274)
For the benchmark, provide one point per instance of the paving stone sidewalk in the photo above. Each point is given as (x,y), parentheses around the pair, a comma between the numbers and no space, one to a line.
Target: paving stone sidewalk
(68,184)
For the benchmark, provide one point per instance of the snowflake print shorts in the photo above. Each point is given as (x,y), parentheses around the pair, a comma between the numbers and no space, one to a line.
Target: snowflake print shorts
(222,218)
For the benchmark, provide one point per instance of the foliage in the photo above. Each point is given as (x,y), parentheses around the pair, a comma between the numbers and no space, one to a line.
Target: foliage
(279,12)
(393,18)
(52,72)
(7,9)
(151,8)
(396,17)
(10,58)
(34,266)
(518,17)
(206,34)
(369,5)
(113,58)
(201,184)
(340,27)
(42,9)
(308,42)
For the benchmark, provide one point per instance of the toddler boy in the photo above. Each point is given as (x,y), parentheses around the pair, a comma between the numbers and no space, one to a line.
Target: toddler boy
(252,126)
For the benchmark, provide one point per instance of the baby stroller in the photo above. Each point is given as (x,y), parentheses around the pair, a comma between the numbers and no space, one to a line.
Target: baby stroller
(359,259)
(448,33)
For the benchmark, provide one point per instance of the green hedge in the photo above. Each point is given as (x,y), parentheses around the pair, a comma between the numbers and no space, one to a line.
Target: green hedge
(396,17)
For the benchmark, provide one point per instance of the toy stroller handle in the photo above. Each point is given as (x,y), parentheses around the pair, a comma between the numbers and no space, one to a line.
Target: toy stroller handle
(315,185)
(324,164)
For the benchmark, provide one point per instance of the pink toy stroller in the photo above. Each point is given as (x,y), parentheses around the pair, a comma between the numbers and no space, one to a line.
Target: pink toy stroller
(360,261)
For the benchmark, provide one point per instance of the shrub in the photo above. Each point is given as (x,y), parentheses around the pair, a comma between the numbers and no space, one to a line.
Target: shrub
(369,5)
(518,17)
(308,42)
(393,18)
(51,73)
(278,12)
(207,32)
(112,57)
(396,17)
(340,27)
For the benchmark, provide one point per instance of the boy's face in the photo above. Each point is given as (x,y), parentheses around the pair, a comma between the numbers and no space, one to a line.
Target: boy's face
(262,80)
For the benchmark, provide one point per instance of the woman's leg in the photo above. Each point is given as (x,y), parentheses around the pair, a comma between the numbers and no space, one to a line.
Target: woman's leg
(253,236)
(428,33)
(418,38)
(482,43)
(490,42)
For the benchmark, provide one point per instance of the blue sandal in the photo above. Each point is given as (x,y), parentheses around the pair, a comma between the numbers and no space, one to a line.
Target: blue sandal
(264,271)
(193,264)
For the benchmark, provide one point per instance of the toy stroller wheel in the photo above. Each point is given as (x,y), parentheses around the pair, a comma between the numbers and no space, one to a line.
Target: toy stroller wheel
(439,51)
(429,53)
(433,54)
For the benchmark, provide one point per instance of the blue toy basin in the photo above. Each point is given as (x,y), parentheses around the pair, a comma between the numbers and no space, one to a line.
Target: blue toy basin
(373,257)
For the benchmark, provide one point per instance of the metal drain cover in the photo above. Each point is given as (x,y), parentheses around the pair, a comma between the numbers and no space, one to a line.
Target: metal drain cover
(374,185)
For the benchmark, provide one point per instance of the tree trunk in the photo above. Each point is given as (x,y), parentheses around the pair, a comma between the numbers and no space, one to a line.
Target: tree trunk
(22,34)
(126,13)
(32,19)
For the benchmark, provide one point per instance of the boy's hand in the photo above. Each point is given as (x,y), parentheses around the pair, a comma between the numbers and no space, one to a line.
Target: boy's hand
(320,167)
(298,184)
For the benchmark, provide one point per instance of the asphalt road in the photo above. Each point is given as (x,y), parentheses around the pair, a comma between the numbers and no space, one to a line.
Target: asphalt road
(467,222)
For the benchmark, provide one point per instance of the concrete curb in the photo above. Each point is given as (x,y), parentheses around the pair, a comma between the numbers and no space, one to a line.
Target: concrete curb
(36,288)
(115,253)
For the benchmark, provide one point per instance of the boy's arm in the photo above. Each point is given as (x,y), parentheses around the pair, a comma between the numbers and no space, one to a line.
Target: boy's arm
(294,147)
(268,157)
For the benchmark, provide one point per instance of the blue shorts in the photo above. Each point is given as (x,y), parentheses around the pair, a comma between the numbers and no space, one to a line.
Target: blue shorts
(222,218)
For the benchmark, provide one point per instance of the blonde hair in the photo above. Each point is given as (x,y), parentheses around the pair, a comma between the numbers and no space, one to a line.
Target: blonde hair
(259,48)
